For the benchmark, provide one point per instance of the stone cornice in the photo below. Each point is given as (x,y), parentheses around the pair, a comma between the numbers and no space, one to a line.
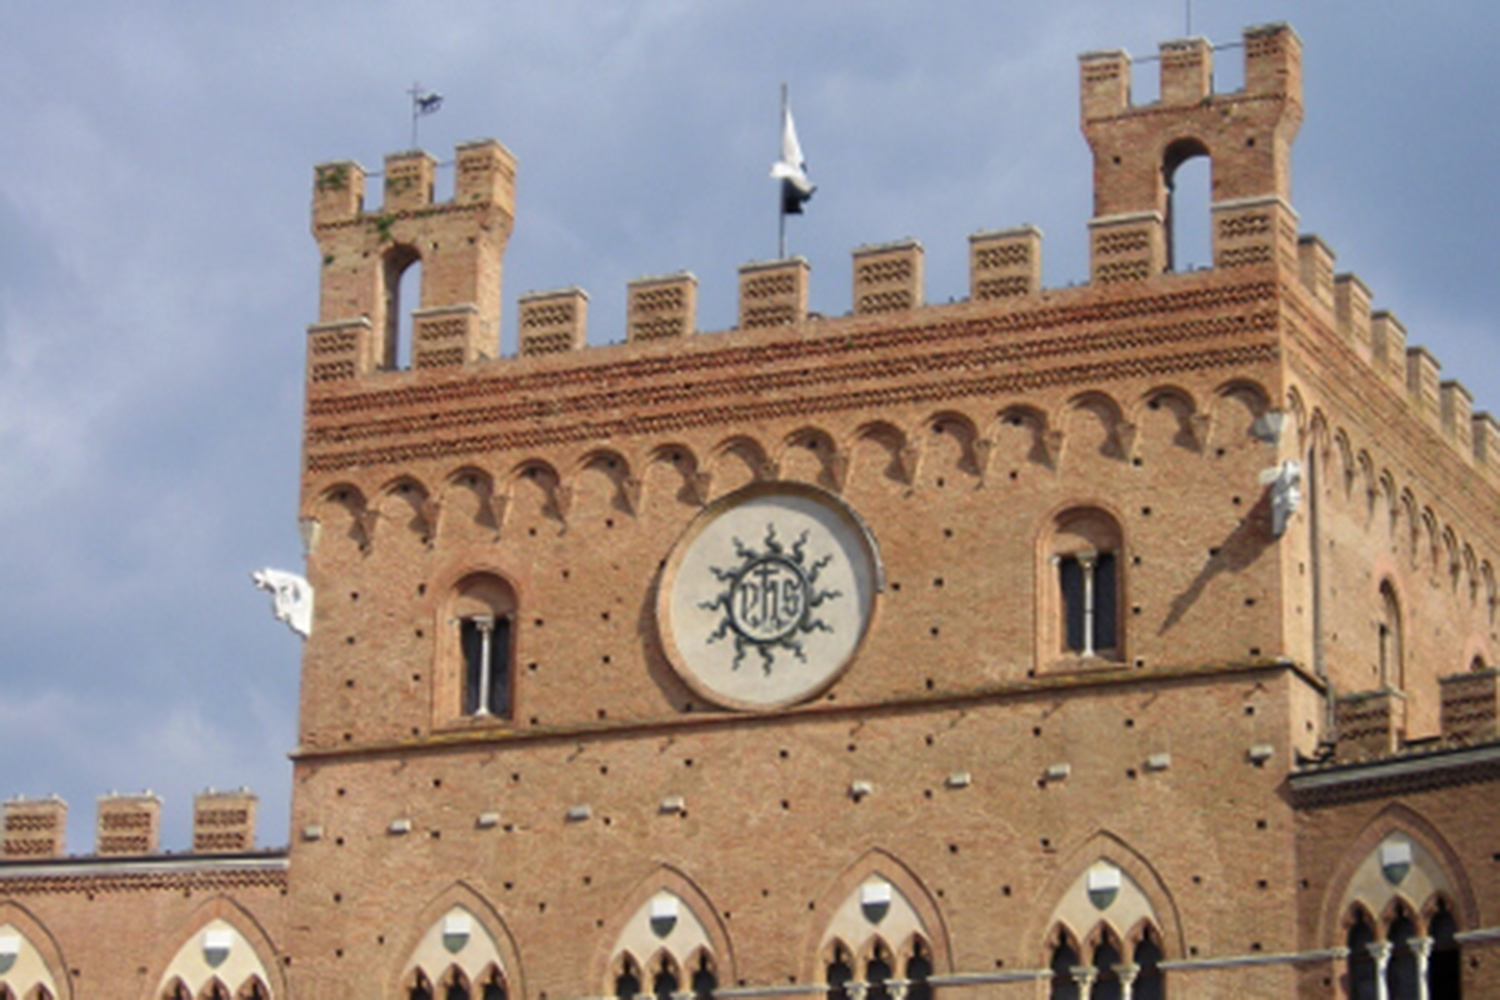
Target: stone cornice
(1423,772)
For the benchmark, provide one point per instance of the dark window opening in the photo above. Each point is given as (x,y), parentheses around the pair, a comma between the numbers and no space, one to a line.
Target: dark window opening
(1064,960)
(704,980)
(1148,981)
(1444,967)
(839,974)
(1106,979)
(1187,175)
(918,971)
(1389,637)
(402,283)
(486,648)
(1090,598)
(1362,984)
(1401,970)
(421,990)
(877,974)
(627,984)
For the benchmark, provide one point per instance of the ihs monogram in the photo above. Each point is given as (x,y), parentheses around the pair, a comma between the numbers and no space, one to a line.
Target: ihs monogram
(770,599)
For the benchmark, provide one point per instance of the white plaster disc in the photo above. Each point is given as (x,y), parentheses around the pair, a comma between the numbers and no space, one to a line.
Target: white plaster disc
(768,595)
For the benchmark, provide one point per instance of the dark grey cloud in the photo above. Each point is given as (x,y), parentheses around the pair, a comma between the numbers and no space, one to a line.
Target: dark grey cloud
(156,274)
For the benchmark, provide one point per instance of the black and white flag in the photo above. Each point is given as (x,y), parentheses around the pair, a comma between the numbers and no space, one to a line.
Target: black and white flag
(791,169)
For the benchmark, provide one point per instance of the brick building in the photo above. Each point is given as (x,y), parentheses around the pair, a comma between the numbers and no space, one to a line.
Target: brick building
(1134,639)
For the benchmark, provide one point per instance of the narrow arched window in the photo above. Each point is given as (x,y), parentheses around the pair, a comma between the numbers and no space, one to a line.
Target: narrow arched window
(1148,979)
(878,974)
(666,982)
(401,281)
(1389,637)
(704,980)
(1064,961)
(918,972)
(1187,174)
(421,989)
(1401,979)
(1445,966)
(628,982)
(1106,975)
(483,613)
(1362,974)
(840,971)
(1085,548)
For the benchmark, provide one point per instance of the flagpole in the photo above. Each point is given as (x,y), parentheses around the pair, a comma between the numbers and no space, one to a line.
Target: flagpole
(780,199)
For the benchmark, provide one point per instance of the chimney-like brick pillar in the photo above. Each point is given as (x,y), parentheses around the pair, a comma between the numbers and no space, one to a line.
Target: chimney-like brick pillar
(888,277)
(1424,384)
(1315,268)
(224,822)
(1351,307)
(1187,69)
(661,307)
(1458,416)
(1005,263)
(1252,231)
(1469,705)
(1486,434)
(445,336)
(554,322)
(128,825)
(1370,724)
(409,180)
(773,293)
(35,828)
(1127,247)
(1388,347)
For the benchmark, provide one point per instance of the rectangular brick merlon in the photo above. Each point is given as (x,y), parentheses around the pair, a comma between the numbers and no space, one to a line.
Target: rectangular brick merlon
(553,322)
(1129,247)
(773,293)
(446,337)
(410,177)
(1315,268)
(1273,61)
(888,277)
(484,172)
(1470,700)
(1369,724)
(128,825)
(1104,83)
(34,828)
(1253,231)
(338,192)
(1388,347)
(1005,263)
(1423,384)
(1187,70)
(1486,439)
(339,351)
(224,822)
(661,307)
(1351,308)
(1457,415)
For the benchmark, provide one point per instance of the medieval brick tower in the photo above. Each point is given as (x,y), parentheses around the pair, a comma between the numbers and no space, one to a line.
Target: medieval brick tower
(1127,640)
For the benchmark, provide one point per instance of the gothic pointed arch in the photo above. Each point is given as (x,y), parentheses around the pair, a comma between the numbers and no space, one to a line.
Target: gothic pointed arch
(1106,882)
(1398,855)
(667,915)
(34,958)
(457,930)
(219,942)
(876,898)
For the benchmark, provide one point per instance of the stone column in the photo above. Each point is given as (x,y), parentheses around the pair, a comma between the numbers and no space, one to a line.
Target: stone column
(1381,951)
(1422,948)
(1127,971)
(1084,976)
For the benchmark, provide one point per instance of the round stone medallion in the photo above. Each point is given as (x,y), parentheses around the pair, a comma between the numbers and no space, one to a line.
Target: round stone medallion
(768,595)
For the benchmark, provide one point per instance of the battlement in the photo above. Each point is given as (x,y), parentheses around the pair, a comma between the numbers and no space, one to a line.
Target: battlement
(1245,134)
(128,825)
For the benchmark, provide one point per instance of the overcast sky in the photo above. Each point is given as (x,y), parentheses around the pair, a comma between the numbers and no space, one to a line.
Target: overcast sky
(157,275)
